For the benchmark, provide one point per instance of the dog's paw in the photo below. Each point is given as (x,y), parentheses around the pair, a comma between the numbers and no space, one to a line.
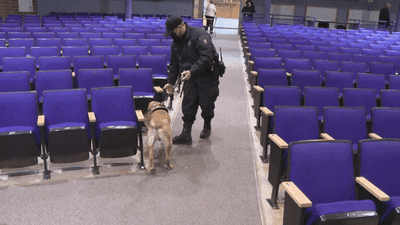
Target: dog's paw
(170,166)
(150,170)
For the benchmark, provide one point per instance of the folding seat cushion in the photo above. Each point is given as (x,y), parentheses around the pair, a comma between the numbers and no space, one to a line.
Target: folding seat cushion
(117,126)
(328,199)
(66,118)
(19,133)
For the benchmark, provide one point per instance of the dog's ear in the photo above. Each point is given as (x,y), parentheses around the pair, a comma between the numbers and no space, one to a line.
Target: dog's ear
(150,105)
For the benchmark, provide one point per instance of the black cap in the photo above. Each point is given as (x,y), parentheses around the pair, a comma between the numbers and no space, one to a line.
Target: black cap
(172,23)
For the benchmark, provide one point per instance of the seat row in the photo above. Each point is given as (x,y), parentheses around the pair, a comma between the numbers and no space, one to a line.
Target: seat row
(141,80)
(70,43)
(293,124)
(36,33)
(67,132)
(158,64)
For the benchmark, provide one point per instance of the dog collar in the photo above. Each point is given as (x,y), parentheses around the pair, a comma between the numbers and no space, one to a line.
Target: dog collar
(158,108)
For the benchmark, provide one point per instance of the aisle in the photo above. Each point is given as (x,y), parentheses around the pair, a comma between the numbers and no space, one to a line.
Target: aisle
(213,181)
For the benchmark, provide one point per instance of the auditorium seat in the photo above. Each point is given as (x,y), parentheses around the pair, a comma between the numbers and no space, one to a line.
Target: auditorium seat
(313,197)
(291,124)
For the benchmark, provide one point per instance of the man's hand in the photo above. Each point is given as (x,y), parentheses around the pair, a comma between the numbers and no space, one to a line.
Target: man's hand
(186,75)
(169,88)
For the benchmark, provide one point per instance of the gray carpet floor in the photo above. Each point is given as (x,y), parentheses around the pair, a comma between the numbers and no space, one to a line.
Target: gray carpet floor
(213,181)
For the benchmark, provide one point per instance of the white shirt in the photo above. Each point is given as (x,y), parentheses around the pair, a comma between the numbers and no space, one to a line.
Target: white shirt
(211,10)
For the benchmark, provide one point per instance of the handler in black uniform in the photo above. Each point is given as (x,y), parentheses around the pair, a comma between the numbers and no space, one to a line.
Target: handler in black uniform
(192,53)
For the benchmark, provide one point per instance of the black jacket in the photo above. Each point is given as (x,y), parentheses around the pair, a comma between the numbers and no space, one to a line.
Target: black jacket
(384,16)
(193,52)
(249,7)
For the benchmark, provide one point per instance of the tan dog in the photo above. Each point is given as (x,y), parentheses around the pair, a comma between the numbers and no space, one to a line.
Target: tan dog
(158,123)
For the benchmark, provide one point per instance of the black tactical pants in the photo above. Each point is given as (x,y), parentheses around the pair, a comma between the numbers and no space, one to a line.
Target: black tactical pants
(200,91)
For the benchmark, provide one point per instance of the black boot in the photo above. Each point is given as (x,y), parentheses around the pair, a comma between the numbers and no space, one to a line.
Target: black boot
(185,137)
(206,132)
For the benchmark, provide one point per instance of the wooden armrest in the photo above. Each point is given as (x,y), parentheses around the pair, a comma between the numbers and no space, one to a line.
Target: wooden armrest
(258,88)
(371,188)
(158,89)
(254,73)
(248,54)
(297,195)
(245,42)
(40,121)
(251,62)
(288,74)
(278,141)
(139,115)
(266,111)
(73,74)
(92,117)
(327,137)
(375,136)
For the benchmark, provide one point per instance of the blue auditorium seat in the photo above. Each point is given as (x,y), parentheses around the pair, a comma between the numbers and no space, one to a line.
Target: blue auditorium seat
(291,124)
(322,198)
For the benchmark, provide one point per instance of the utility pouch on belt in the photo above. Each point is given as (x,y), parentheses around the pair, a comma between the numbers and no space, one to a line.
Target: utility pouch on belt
(217,66)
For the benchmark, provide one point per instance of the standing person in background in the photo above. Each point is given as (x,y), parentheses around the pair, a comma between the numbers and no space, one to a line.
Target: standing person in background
(384,15)
(211,13)
(249,9)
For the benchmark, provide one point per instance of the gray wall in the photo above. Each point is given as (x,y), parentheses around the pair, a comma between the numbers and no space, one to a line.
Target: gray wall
(173,7)
(342,5)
